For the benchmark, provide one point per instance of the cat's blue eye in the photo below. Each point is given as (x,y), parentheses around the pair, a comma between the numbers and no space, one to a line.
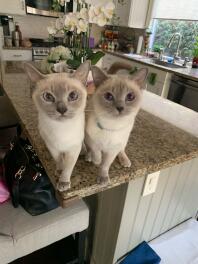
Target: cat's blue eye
(108,96)
(73,96)
(130,97)
(48,97)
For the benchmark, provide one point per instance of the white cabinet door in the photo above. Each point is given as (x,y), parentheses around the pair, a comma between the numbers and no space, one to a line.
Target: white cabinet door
(122,12)
(16,55)
(138,13)
(133,13)
(15,7)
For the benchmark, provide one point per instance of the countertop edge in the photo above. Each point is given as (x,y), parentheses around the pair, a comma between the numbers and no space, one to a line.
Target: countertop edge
(160,67)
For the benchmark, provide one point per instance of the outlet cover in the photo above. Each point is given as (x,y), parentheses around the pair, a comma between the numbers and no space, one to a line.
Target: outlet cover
(150,184)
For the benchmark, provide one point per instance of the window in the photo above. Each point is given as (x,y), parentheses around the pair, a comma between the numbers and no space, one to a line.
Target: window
(163,30)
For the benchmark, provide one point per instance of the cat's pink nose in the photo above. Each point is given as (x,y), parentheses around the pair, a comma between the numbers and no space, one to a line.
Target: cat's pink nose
(120,108)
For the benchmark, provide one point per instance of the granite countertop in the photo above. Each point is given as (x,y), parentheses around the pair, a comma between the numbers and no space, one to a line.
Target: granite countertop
(184,72)
(153,145)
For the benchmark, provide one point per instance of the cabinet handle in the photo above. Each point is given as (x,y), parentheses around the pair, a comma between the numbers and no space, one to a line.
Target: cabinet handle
(17,55)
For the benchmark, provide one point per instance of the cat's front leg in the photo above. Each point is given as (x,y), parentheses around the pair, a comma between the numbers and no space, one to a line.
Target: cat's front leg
(69,160)
(93,154)
(107,160)
(57,156)
(124,160)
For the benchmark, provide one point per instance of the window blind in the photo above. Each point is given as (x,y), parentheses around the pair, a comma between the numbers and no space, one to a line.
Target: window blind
(176,9)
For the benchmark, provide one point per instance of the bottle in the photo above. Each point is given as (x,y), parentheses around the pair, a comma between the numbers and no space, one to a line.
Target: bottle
(17,36)
(112,46)
(109,46)
(116,45)
(1,36)
(139,46)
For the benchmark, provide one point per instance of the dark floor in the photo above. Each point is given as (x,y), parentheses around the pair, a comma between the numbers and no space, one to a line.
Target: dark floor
(61,252)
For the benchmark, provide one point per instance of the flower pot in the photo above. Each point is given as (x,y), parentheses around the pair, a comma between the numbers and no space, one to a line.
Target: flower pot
(195,62)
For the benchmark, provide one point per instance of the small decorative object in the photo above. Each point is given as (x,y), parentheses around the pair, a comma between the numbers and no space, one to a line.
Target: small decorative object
(76,27)
(59,54)
(195,54)
(146,40)
(157,49)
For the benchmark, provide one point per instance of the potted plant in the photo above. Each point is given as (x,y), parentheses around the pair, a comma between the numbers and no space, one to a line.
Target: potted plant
(76,27)
(195,54)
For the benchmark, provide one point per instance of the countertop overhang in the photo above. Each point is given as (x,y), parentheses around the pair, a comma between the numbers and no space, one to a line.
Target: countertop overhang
(153,145)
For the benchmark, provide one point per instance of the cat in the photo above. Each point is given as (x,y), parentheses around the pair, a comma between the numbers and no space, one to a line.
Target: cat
(115,105)
(60,100)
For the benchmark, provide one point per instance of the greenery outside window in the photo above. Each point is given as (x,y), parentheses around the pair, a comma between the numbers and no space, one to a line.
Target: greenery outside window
(163,29)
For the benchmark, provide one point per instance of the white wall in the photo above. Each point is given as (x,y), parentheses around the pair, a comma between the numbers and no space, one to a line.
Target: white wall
(33,26)
(36,27)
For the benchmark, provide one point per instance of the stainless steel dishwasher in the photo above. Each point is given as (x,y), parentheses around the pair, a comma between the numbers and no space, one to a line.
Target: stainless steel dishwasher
(184,91)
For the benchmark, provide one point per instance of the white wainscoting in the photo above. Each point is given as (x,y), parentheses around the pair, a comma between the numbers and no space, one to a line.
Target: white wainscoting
(124,217)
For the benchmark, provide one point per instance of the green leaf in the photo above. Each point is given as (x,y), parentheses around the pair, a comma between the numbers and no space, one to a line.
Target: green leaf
(133,70)
(95,57)
(88,52)
(74,64)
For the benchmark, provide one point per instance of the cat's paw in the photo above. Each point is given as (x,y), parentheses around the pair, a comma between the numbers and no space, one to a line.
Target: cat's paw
(103,180)
(96,162)
(88,157)
(63,186)
(124,161)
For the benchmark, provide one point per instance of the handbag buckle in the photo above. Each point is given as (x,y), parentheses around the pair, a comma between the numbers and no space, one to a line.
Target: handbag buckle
(38,174)
(11,145)
(19,173)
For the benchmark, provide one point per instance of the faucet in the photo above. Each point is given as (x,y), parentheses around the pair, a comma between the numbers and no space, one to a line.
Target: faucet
(176,55)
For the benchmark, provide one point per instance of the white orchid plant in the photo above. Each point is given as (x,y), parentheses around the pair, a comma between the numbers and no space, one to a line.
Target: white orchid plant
(78,25)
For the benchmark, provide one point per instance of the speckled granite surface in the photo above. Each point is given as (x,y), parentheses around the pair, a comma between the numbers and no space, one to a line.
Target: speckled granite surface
(184,72)
(153,145)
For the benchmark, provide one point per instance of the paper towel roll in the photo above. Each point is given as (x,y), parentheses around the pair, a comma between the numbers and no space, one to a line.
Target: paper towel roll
(139,45)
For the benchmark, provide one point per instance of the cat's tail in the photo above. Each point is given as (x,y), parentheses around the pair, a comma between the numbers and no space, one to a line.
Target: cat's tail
(116,66)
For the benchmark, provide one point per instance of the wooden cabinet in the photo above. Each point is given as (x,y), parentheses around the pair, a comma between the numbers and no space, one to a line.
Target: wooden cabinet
(13,7)
(160,76)
(134,13)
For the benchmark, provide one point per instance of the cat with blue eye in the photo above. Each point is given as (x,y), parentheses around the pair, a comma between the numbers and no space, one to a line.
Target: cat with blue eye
(60,99)
(114,105)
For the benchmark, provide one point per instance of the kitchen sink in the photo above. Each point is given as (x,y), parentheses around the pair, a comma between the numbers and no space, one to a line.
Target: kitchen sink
(168,65)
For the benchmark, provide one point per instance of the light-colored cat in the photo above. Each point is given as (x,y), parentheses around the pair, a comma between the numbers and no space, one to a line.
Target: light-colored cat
(115,105)
(60,100)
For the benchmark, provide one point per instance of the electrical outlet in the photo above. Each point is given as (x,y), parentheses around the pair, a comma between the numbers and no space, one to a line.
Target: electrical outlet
(150,184)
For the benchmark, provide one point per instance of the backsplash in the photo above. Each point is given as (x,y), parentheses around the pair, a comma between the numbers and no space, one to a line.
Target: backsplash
(129,36)
(36,27)
(33,26)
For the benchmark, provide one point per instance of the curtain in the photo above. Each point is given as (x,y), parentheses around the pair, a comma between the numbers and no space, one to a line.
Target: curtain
(176,9)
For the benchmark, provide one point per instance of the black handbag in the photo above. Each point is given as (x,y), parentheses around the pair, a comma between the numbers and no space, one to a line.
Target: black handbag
(27,180)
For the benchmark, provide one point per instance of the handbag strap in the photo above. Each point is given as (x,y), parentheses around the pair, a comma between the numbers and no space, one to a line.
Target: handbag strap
(15,193)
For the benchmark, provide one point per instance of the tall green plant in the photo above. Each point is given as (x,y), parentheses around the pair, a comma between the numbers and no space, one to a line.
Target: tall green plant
(195,50)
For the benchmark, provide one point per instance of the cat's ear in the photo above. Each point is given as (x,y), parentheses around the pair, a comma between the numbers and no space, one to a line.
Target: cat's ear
(33,73)
(82,72)
(98,76)
(140,77)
